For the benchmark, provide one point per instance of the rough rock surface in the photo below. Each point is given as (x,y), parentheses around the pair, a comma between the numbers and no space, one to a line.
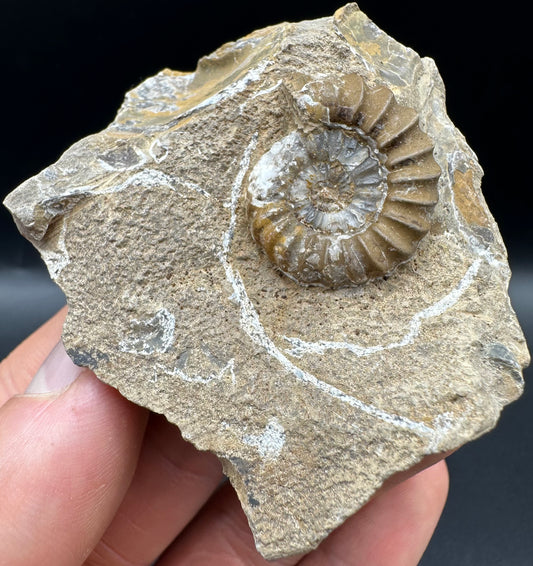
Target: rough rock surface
(311,397)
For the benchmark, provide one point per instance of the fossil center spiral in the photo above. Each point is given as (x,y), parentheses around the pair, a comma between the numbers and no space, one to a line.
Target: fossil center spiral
(340,188)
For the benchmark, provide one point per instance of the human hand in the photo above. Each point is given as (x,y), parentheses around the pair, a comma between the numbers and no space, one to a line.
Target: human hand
(86,477)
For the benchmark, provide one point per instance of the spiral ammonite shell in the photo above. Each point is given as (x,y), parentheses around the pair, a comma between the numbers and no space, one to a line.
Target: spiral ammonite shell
(352,199)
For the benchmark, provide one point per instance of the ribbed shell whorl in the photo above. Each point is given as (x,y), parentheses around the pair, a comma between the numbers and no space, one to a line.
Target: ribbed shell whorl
(350,200)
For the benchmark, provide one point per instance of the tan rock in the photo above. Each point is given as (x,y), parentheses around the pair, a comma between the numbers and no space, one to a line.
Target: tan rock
(312,396)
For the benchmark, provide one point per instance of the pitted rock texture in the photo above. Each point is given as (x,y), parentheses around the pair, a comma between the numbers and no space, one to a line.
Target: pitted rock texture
(312,397)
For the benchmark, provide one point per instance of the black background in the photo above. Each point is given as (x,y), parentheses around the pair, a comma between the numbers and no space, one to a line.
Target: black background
(66,67)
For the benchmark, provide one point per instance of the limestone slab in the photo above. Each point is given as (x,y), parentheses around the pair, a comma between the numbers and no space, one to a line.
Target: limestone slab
(312,392)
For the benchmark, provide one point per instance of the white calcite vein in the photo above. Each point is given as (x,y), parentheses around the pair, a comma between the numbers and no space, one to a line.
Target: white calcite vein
(301,347)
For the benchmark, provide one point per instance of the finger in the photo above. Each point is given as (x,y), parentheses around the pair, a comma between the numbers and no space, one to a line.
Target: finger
(172,482)
(66,460)
(393,529)
(18,369)
(219,535)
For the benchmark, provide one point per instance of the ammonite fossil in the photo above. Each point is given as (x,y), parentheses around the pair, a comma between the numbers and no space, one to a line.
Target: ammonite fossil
(350,200)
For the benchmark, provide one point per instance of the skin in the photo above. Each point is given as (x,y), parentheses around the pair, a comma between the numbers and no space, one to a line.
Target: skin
(86,477)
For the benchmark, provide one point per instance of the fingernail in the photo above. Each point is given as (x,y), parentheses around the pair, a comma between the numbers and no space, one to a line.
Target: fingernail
(56,374)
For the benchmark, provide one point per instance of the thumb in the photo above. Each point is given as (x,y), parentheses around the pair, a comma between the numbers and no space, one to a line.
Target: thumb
(68,450)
